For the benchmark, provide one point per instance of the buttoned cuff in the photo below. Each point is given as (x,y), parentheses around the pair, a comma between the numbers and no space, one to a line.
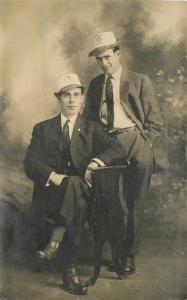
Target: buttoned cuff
(48,181)
(99,162)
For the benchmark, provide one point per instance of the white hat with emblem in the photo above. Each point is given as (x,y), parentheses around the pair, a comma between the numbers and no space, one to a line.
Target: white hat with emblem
(102,42)
(67,82)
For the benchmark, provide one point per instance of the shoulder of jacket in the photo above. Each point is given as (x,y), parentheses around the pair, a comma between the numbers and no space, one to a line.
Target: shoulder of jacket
(45,122)
(89,123)
(97,78)
(137,76)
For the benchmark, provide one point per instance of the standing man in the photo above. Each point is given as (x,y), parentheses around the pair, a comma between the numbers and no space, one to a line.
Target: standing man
(124,103)
(59,159)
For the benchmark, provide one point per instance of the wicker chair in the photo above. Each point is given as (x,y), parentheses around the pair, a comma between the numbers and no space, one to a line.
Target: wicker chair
(106,217)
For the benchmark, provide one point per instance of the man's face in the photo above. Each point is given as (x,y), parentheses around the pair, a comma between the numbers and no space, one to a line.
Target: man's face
(71,102)
(109,61)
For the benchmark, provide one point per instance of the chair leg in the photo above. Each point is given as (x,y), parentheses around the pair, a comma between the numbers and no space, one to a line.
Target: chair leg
(116,257)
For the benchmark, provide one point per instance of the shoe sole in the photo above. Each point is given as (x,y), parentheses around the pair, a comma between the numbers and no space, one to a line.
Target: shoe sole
(130,272)
(68,291)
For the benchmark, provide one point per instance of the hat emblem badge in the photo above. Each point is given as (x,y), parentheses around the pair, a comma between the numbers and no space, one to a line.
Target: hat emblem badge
(98,39)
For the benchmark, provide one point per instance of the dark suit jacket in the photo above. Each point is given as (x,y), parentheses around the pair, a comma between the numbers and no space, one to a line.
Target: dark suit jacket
(44,153)
(139,102)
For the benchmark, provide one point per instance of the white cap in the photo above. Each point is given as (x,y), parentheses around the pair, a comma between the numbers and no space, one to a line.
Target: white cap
(102,42)
(66,82)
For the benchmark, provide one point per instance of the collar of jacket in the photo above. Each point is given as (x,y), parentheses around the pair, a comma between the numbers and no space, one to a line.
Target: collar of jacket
(79,126)
(124,84)
(128,93)
(125,87)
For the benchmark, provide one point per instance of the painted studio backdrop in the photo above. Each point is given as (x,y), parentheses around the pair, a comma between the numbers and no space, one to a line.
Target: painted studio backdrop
(40,41)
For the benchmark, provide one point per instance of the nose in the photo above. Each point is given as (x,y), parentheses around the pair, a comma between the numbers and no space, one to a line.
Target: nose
(71,99)
(104,62)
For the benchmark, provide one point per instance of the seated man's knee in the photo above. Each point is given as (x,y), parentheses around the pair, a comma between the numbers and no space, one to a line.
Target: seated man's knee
(75,180)
(82,205)
(77,184)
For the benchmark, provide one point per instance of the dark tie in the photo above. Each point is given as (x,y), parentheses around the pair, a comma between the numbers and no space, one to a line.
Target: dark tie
(66,141)
(110,102)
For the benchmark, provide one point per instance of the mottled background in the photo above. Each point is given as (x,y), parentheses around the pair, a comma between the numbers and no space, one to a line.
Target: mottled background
(41,40)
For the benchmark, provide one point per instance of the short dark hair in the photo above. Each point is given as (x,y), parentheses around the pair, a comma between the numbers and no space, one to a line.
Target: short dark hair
(116,49)
(82,90)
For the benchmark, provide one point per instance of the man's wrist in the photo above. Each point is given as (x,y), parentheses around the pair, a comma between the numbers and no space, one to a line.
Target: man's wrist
(94,164)
(99,162)
(55,178)
(49,179)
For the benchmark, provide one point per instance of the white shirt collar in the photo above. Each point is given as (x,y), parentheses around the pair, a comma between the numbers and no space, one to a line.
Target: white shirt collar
(64,119)
(116,75)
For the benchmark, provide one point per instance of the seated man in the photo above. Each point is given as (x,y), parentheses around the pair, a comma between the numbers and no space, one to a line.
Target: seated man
(59,159)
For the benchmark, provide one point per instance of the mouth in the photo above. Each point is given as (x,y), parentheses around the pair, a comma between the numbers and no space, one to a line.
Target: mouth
(72,107)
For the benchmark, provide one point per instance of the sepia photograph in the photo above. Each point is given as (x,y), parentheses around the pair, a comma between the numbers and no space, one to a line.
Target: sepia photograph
(93,149)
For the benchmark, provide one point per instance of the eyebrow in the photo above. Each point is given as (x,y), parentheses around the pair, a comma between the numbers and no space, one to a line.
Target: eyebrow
(69,94)
(105,56)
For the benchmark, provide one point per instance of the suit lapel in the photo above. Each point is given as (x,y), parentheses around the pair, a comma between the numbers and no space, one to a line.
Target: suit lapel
(78,130)
(99,90)
(125,88)
(79,142)
(127,92)
(78,127)
(124,85)
(57,131)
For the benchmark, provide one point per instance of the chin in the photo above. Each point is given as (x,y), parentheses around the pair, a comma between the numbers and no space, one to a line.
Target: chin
(108,72)
(72,113)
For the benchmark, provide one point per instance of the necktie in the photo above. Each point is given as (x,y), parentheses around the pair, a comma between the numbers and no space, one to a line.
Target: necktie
(110,102)
(66,140)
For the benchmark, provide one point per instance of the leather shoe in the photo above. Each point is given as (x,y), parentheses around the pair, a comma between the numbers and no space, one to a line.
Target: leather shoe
(111,268)
(130,267)
(50,251)
(72,283)
(118,269)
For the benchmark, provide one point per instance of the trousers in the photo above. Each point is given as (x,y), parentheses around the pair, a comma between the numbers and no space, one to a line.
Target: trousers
(64,205)
(136,183)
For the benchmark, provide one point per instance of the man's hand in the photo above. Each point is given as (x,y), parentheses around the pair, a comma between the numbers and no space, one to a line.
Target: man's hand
(88,175)
(56,178)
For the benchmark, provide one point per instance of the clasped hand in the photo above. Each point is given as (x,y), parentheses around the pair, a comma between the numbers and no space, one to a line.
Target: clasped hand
(88,175)
(56,178)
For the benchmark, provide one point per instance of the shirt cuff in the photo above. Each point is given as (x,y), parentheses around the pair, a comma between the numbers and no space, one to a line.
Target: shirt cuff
(48,181)
(99,162)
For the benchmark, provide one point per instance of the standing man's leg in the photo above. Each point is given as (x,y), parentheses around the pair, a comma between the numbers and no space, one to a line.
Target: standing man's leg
(136,184)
